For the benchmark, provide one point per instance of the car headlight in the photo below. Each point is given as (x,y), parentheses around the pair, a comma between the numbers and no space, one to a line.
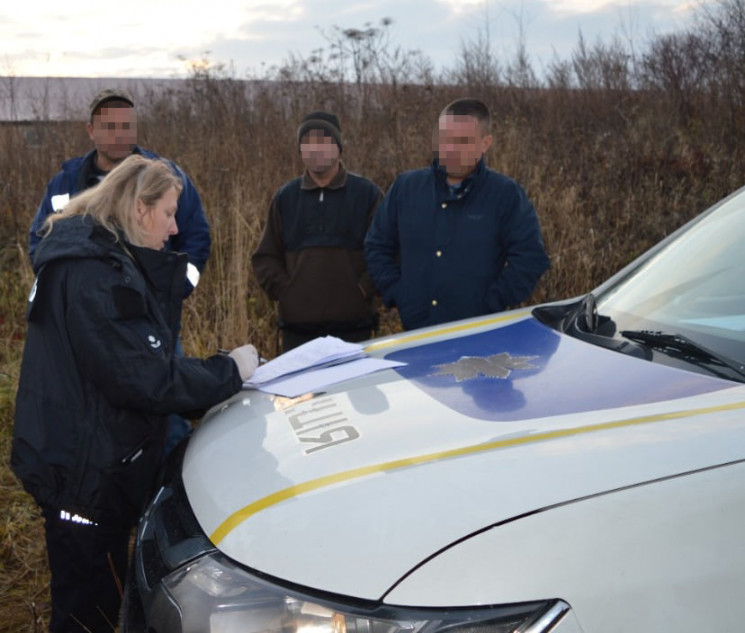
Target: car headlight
(181,582)
(217,596)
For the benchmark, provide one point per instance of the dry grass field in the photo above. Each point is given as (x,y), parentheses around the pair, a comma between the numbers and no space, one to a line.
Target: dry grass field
(615,150)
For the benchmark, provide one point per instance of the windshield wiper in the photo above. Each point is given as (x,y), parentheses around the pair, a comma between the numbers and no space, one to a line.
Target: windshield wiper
(683,347)
(581,320)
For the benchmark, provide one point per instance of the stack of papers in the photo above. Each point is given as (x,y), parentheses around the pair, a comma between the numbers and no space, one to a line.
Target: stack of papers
(314,365)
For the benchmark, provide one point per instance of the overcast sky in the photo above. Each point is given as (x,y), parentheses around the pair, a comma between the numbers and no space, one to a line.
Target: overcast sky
(157,38)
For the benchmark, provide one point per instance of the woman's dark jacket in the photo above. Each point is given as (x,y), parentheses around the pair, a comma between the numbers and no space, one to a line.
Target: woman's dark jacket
(99,374)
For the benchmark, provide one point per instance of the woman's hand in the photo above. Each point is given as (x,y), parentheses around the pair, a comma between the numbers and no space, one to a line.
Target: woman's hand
(247,359)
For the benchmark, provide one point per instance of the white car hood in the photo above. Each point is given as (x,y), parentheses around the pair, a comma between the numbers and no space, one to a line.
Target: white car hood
(349,490)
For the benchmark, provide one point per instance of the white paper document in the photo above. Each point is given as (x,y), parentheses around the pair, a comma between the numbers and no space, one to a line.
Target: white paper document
(316,379)
(314,365)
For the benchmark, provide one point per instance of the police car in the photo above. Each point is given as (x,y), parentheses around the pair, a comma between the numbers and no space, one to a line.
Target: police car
(579,466)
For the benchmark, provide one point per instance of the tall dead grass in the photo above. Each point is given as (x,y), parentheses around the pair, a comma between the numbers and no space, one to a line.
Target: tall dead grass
(612,166)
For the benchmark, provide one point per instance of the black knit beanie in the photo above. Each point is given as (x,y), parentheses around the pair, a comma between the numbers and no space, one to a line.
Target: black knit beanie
(321,121)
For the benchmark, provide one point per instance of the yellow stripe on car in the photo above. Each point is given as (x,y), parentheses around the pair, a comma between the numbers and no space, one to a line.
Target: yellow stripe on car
(452,329)
(238,517)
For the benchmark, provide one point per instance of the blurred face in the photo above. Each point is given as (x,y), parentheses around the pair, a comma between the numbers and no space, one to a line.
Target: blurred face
(159,219)
(319,152)
(113,131)
(461,143)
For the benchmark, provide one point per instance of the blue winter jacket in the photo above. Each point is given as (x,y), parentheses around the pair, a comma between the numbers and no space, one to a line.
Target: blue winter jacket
(442,255)
(193,236)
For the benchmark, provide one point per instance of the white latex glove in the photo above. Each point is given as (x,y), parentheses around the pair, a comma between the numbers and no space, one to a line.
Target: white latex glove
(247,359)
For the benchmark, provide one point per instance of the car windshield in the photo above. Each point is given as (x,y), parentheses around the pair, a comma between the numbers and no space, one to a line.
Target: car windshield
(693,286)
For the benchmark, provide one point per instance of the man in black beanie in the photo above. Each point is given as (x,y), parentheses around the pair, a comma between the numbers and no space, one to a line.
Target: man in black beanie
(310,258)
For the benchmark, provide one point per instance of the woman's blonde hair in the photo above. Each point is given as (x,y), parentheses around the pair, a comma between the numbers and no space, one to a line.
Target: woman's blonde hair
(113,202)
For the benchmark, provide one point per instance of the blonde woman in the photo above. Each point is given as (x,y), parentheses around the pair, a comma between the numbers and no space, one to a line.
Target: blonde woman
(99,376)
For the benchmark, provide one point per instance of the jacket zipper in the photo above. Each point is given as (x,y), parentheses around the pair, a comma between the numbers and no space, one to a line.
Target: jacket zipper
(320,216)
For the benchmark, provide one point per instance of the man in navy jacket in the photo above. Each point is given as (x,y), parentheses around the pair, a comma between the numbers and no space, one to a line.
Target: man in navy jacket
(456,239)
(113,130)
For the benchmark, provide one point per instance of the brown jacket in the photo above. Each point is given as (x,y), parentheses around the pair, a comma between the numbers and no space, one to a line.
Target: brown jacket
(310,257)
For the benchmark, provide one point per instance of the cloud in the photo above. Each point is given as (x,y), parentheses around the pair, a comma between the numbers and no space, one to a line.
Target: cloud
(666,14)
(152,38)
(83,34)
(580,7)
(458,7)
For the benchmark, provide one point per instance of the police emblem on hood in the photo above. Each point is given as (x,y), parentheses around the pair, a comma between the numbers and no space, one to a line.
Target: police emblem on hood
(495,366)
(477,375)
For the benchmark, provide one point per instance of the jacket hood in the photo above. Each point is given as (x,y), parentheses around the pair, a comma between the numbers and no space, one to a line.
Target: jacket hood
(488,421)
(76,237)
(79,237)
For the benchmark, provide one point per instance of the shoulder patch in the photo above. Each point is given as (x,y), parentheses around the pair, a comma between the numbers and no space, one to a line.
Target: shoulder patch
(129,303)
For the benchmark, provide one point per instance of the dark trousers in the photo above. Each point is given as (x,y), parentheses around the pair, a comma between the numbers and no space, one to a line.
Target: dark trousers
(88,564)
(295,338)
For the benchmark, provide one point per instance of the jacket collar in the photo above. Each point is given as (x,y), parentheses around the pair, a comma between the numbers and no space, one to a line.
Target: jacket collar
(161,269)
(164,270)
(89,173)
(338,181)
(464,187)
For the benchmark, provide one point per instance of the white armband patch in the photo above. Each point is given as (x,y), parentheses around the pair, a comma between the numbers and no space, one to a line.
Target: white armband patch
(192,274)
(60,201)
